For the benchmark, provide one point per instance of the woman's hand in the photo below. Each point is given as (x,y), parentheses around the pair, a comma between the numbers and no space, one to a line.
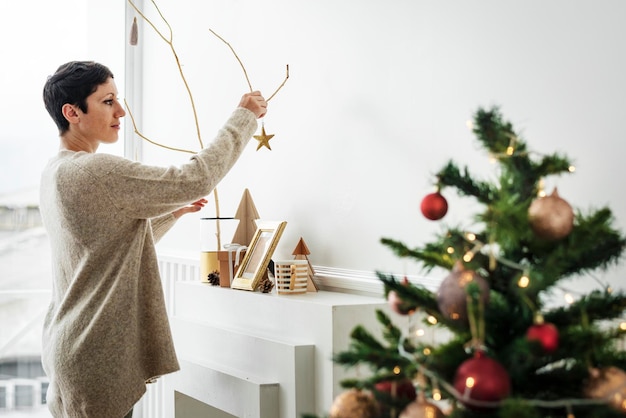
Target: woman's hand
(255,103)
(194,207)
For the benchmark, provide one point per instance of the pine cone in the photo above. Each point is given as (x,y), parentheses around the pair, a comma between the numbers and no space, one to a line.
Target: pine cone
(214,278)
(265,285)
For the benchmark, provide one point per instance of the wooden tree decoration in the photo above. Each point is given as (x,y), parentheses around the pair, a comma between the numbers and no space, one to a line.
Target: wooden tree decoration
(247,215)
(301,252)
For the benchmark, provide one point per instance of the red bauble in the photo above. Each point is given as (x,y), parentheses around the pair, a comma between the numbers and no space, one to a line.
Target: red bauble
(398,389)
(481,379)
(546,334)
(434,206)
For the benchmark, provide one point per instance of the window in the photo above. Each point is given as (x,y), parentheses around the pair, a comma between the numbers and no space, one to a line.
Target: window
(38,36)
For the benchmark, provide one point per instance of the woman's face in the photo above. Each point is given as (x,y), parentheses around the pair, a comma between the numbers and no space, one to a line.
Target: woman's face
(101,123)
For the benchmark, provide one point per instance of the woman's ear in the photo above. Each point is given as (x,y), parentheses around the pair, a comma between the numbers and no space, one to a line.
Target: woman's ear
(70,113)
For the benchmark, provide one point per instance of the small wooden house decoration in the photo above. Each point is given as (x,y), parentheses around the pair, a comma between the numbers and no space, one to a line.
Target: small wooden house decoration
(301,252)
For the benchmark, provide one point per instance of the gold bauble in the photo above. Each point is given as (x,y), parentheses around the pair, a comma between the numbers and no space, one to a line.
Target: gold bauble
(551,218)
(608,384)
(354,403)
(421,409)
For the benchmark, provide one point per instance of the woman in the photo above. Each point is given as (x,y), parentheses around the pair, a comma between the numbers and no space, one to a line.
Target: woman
(106,333)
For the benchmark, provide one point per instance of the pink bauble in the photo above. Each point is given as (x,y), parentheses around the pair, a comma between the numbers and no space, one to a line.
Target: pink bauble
(452,293)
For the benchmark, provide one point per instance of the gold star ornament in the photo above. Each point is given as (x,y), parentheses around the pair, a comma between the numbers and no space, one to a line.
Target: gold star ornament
(264,139)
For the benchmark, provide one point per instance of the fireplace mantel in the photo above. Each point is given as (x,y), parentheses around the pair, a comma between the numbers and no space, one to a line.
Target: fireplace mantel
(259,354)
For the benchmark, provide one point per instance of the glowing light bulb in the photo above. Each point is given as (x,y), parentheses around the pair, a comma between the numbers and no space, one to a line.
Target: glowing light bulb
(509,151)
(436,394)
(470,236)
(396,370)
(468,256)
(571,169)
(622,326)
(569,298)
(523,281)
(450,250)
(470,382)
(432,320)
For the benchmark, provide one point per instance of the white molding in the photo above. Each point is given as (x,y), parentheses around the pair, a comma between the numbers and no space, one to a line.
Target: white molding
(363,282)
(333,279)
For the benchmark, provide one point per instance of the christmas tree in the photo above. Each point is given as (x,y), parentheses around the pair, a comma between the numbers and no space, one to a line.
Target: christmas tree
(511,353)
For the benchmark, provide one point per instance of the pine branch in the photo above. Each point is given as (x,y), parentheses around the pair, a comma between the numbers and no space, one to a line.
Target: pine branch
(365,349)
(413,296)
(451,176)
(589,308)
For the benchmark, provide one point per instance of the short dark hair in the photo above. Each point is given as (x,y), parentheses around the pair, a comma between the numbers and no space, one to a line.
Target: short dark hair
(72,83)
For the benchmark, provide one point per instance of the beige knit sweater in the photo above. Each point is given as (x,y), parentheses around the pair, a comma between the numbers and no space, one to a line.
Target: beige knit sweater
(106,331)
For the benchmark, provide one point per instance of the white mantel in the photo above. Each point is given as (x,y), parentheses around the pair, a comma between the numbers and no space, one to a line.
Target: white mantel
(258,354)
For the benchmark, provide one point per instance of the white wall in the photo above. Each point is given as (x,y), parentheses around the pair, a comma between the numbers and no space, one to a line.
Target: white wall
(377,101)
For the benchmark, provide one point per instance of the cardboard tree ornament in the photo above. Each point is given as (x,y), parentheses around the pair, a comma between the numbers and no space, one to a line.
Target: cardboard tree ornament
(229,259)
(247,215)
(301,252)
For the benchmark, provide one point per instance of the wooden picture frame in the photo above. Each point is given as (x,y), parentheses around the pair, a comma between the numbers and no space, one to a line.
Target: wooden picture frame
(258,255)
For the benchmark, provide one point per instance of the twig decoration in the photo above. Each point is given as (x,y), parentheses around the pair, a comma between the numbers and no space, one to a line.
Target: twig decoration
(281,84)
(142,136)
(169,40)
(245,73)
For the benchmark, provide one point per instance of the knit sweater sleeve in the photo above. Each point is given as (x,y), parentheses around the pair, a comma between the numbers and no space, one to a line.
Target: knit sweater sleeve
(142,191)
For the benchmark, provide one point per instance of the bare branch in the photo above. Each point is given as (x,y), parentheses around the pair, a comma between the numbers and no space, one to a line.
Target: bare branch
(132,118)
(245,73)
(281,85)
(180,68)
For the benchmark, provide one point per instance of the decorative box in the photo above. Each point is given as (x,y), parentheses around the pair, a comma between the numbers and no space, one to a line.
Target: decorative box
(291,276)
(229,261)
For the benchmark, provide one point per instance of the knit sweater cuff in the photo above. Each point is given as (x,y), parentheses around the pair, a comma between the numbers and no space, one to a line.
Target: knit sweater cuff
(162,224)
